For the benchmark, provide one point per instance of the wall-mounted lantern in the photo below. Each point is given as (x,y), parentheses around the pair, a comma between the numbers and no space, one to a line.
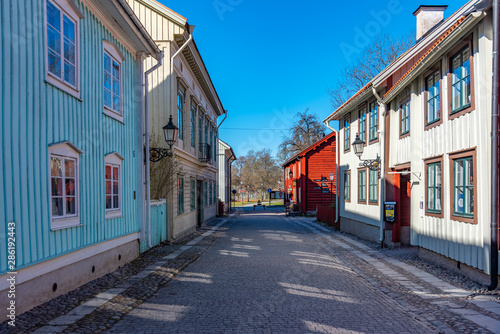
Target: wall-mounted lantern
(170,131)
(358,146)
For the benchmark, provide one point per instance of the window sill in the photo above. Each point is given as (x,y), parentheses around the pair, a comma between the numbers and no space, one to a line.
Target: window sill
(63,223)
(433,124)
(112,114)
(461,111)
(463,219)
(113,214)
(434,214)
(50,80)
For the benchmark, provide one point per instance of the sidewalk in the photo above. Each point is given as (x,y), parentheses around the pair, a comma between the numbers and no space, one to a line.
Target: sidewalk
(116,293)
(417,290)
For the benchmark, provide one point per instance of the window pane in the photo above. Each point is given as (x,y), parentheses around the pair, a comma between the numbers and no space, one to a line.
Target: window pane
(69,29)
(108,172)
(54,61)
(53,16)
(431,199)
(459,200)
(53,40)
(57,208)
(69,168)
(115,173)
(438,175)
(107,81)
(57,187)
(107,63)
(55,167)
(108,202)
(455,96)
(108,187)
(469,200)
(70,206)
(116,103)
(70,187)
(69,52)
(438,198)
(431,176)
(116,87)
(116,70)
(469,179)
(69,73)
(115,202)
(466,93)
(115,188)
(107,98)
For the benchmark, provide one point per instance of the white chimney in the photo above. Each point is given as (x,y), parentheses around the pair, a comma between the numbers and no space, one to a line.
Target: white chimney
(427,18)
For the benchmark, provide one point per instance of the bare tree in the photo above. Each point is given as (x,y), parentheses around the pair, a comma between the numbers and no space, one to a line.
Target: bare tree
(383,51)
(306,130)
(163,173)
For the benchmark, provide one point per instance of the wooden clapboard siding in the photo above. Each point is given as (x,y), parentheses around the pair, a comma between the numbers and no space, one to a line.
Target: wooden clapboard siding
(36,114)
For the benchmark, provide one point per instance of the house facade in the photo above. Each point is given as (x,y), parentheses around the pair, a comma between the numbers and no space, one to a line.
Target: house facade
(309,183)
(433,105)
(181,87)
(225,159)
(71,189)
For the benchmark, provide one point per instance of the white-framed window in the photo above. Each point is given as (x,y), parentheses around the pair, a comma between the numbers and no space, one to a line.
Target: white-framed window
(181,98)
(193,122)
(112,80)
(62,45)
(180,195)
(64,185)
(113,185)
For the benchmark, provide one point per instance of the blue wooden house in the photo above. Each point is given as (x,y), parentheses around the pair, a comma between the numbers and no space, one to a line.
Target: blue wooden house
(71,143)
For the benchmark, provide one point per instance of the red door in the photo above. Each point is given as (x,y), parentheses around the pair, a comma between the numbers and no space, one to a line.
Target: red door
(405,207)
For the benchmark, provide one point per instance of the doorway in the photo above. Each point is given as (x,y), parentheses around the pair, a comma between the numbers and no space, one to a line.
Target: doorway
(199,203)
(405,207)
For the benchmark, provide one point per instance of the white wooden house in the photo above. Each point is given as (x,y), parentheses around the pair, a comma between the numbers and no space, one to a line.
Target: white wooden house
(182,88)
(432,130)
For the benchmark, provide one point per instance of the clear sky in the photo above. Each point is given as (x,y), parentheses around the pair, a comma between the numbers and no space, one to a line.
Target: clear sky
(271,59)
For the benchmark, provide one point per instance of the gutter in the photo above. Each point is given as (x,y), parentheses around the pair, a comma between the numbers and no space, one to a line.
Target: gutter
(146,139)
(336,172)
(225,116)
(494,151)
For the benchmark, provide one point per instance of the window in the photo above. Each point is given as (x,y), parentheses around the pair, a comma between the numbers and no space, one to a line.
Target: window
(193,123)
(205,189)
(433,187)
(112,80)
(113,184)
(200,130)
(180,111)
(206,131)
(64,185)
(193,195)
(362,186)
(460,80)
(62,45)
(463,187)
(362,124)
(404,112)
(180,195)
(373,187)
(373,121)
(433,99)
(347,185)
(347,133)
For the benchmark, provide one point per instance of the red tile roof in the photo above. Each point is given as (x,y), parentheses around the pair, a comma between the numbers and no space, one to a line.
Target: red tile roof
(453,27)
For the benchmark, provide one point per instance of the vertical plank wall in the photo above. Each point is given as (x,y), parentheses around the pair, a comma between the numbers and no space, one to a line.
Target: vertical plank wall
(36,114)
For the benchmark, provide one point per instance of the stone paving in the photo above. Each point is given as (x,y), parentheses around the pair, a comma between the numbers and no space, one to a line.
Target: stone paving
(262,272)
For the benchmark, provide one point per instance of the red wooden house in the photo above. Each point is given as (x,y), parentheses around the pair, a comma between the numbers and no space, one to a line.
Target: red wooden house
(307,175)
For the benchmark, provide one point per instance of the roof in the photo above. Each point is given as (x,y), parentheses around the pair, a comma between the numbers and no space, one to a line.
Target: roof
(453,27)
(339,109)
(310,148)
(165,11)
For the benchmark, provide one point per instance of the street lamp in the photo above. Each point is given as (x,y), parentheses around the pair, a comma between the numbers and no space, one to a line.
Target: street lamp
(241,191)
(170,131)
(332,176)
(358,146)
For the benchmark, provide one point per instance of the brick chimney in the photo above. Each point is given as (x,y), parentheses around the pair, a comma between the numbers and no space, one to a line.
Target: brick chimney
(427,18)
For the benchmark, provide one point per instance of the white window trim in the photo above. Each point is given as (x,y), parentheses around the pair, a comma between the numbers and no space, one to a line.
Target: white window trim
(114,52)
(116,160)
(65,149)
(70,9)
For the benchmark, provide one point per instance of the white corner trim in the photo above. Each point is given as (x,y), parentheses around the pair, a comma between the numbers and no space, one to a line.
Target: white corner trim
(36,270)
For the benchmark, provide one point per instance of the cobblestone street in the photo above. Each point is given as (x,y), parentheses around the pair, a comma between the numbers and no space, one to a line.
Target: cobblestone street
(262,272)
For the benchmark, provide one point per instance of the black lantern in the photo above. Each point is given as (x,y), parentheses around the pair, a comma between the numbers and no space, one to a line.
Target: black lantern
(290,174)
(332,176)
(170,131)
(358,145)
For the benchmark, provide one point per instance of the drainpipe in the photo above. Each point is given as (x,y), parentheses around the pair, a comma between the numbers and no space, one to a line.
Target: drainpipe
(382,196)
(225,116)
(336,172)
(494,152)
(146,139)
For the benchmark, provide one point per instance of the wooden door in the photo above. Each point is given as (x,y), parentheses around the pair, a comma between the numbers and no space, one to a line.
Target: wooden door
(405,207)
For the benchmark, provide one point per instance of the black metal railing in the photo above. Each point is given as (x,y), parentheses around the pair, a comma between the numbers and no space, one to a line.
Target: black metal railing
(205,153)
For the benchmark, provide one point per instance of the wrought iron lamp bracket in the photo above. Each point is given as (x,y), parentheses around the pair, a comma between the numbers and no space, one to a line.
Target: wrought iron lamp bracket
(372,164)
(156,154)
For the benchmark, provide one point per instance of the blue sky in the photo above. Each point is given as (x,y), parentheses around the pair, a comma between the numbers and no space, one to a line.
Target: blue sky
(269,60)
